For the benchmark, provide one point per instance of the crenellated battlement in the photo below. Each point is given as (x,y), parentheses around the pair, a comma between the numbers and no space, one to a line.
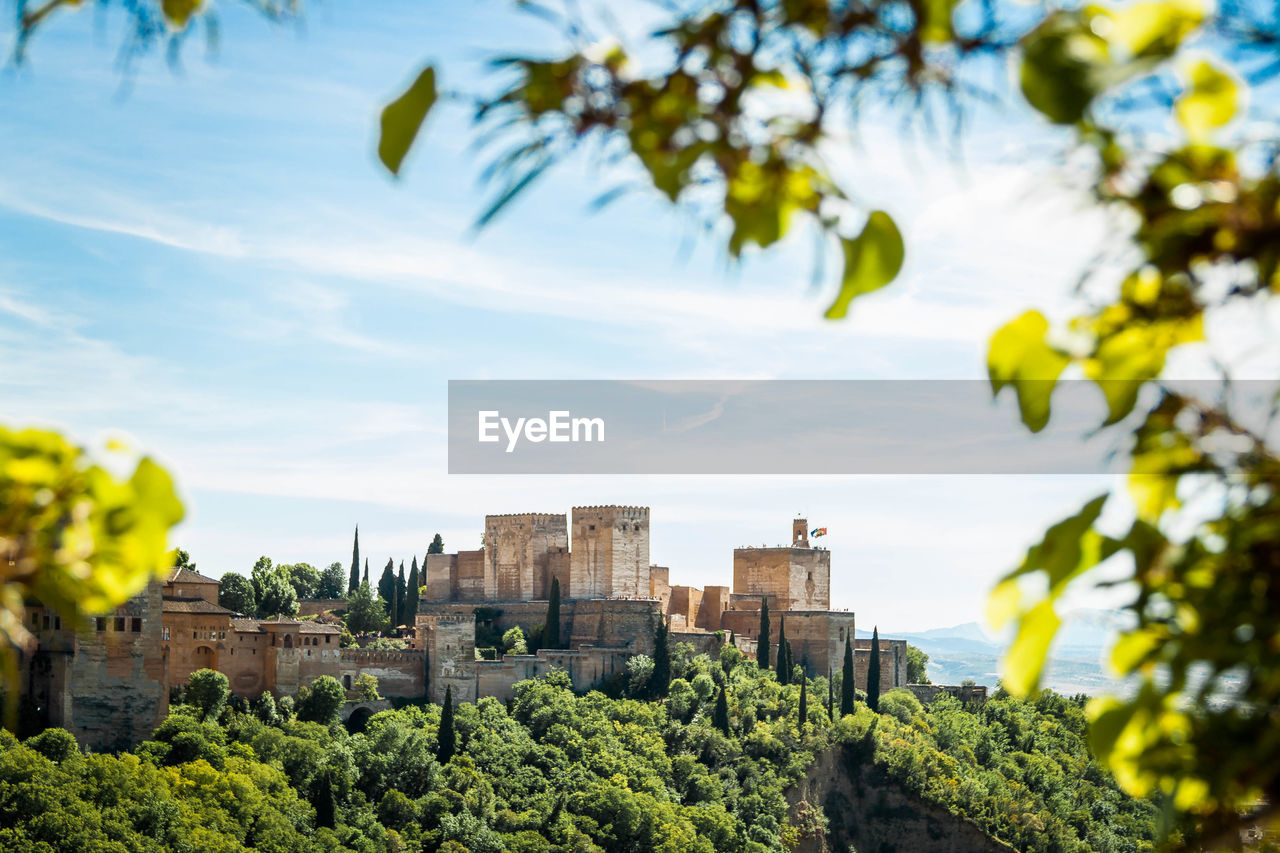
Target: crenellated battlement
(534,517)
(368,656)
(616,509)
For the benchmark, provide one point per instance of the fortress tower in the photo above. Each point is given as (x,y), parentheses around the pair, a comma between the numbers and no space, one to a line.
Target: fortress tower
(518,552)
(609,557)
(794,577)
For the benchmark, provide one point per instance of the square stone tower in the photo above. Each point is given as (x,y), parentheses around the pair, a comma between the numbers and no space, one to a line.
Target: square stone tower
(517,553)
(796,577)
(609,555)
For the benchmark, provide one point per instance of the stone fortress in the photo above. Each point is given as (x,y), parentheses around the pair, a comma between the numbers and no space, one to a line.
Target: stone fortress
(109,685)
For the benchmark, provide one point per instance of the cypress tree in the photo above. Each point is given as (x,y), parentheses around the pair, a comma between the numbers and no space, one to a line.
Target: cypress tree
(762,647)
(402,596)
(325,804)
(436,546)
(846,677)
(447,739)
(366,571)
(354,580)
(551,625)
(660,680)
(804,703)
(411,600)
(387,585)
(720,717)
(791,663)
(831,698)
(783,670)
(873,672)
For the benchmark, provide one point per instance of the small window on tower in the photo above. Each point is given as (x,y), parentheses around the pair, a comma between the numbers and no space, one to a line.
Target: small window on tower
(591,527)
(810,576)
(135,625)
(120,624)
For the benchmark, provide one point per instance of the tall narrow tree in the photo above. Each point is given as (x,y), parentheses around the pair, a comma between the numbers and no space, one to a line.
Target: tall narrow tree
(354,580)
(873,672)
(387,585)
(436,546)
(831,698)
(402,595)
(393,612)
(447,739)
(762,646)
(411,599)
(720,717)
(551,625)
(323,800)
(783,668)
(804,703)
(660,679)
(846,677)
(365,579)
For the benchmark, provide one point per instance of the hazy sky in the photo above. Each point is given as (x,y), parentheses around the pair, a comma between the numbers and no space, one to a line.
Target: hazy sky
(209,261)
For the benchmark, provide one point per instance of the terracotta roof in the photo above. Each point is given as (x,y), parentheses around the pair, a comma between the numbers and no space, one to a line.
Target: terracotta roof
(180,574)
(246,625)
(192,605)
(319,628)
(255,625)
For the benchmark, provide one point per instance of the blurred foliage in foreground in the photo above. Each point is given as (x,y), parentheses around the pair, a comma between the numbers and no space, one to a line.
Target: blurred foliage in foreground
(74,536)
(555,771)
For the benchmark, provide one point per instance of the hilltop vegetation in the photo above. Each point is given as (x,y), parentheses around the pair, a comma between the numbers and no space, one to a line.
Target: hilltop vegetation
(556,771)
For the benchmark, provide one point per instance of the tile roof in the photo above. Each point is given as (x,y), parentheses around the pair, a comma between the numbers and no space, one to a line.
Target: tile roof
(181,574)
(246,625)
(255,625)
(192,605)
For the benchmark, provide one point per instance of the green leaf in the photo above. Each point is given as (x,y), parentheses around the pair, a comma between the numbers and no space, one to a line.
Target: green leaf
(1018,355)
(1209,101)
(1064,67)
(178,12)
(935,20)
(1155,27)
(1030,649)
(1133,356)
(871,260)
(402,118)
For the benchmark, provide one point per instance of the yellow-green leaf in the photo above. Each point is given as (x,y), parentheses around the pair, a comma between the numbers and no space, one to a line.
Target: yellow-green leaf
(1132,650)
(178,12)
(935,23)
(1019,355)
(1155,27)
(402,118)
(1208,102)
(1025,660)
(1065,65)
(1135,355)
(871,260)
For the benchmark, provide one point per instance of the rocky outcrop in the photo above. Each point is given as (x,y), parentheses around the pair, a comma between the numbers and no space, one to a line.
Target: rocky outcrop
(844,803)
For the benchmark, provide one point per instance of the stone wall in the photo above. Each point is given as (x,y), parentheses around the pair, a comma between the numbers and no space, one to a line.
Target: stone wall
(893,663)
(817,636)
(683,605)
(316,606)
(660,585)
(449,644)
(473,583)
(440,573)
(926,693)
(401,673)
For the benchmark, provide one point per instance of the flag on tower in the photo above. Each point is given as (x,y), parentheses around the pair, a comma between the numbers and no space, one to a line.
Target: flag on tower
(821,531)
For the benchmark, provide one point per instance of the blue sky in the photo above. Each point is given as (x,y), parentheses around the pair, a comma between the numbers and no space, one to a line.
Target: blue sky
(209,261)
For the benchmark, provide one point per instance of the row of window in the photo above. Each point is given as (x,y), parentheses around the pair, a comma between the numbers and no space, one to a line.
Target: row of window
(37,618)
(118,623)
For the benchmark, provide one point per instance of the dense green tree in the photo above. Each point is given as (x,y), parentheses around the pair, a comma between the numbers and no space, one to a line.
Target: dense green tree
(784,664)
(182,560)
(366,687)
(831,698)
(764,642)
(446,737)
(803,714)
(873,672)
(513,641)
(411,594)
(273,591)
(235,592)
(332,582)
(322,700)
(551,625)
(354,580)
(436,546)
(846,677)
(264,708)
(720,717)
(917,666)
(387,586)
(365,612)
(303,577)
(661,677)
(207,691)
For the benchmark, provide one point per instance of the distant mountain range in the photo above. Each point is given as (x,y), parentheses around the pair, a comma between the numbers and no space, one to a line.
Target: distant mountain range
(968,651)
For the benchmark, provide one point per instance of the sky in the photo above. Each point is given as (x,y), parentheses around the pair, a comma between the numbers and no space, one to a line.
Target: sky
(207,260)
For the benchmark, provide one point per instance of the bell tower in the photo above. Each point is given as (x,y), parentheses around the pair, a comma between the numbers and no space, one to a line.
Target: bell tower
(800,533)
